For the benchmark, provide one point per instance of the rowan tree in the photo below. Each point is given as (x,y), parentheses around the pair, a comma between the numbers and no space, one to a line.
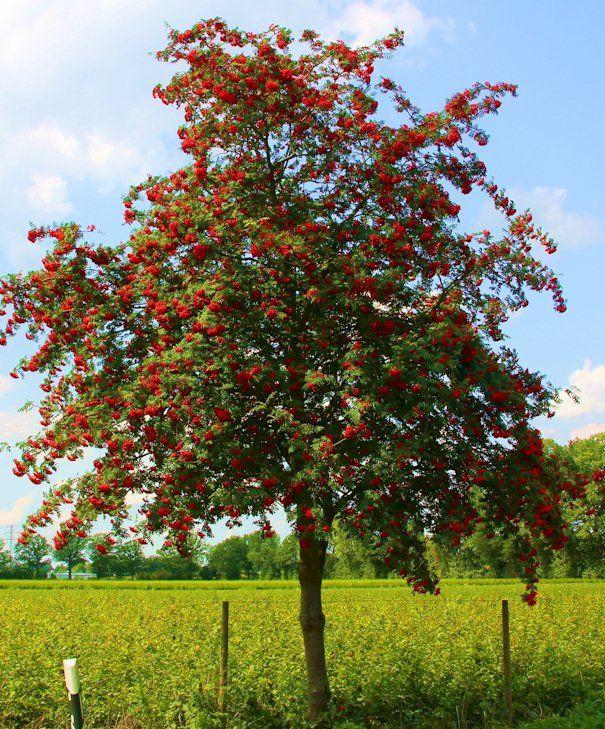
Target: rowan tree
(297,320)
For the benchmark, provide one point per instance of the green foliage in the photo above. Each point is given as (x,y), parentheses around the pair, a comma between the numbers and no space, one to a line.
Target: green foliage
(128,559)
(585,551)
(34,555)
(169,567)
(229,559)
(72,552)
(5,559)
(263,556)
(354,557)
(589,715)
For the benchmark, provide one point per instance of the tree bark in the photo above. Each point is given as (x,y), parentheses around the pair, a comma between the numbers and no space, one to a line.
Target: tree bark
(312,621)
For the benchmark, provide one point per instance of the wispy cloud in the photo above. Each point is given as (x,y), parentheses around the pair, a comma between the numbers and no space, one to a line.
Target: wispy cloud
(107,157)
(363,22)
(552,212)
(48,194)
(17,512)
(7,384)
(585,431)
(81,119)
(589,381)
(570,228)
(134,499)
(14,426)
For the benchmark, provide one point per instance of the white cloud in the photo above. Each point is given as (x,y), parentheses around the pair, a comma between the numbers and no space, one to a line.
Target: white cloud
(367,21)
(107,157)
(114,159)
(14,426)
(93,125)
(17,512)
(585,431)
(590,384)
(48,194)
(550,210)
(567,227)
(46,137)
(7,384)
(81,117)
(100,150)
(549,432)
(47,37)
(134,499)
(21,254)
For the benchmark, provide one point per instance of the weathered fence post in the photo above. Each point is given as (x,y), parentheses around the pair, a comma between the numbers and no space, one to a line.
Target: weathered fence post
(506,684)
(224,656)
(72,681)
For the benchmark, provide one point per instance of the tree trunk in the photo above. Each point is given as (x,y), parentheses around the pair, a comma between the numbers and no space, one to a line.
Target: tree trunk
(69,570)
(312,621)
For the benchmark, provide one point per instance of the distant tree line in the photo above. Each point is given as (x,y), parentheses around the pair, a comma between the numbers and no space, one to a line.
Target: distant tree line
(249,556)
(252,556)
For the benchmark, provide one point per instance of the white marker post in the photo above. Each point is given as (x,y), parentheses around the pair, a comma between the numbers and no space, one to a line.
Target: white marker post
(72,681)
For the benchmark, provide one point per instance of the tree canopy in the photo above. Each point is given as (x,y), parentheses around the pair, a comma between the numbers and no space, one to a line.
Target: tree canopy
(296,317)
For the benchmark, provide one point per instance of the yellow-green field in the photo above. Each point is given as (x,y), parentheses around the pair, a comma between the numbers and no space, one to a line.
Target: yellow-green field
(149,653)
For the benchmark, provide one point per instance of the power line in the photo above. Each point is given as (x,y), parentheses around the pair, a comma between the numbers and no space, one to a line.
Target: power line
(9,534)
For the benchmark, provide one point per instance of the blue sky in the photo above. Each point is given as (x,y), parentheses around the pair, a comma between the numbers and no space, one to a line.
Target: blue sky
(78,125)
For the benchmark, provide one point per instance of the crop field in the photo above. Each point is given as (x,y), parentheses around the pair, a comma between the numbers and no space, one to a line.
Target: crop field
(149,653)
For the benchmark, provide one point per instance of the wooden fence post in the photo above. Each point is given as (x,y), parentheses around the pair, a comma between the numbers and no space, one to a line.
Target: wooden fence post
(72,681)
(224,656)
(506,684)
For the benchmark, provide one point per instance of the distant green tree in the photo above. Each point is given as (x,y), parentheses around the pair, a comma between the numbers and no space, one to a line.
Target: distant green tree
(353,557)
(193,548)
(229,559)
(101,561)
(585,550)
(485,555)
(588,453)
(34,554)
(263,555)
(71,553)
(127,559)
(5,559)
(288,556)
(168,567)
(182,563)
(478,555)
